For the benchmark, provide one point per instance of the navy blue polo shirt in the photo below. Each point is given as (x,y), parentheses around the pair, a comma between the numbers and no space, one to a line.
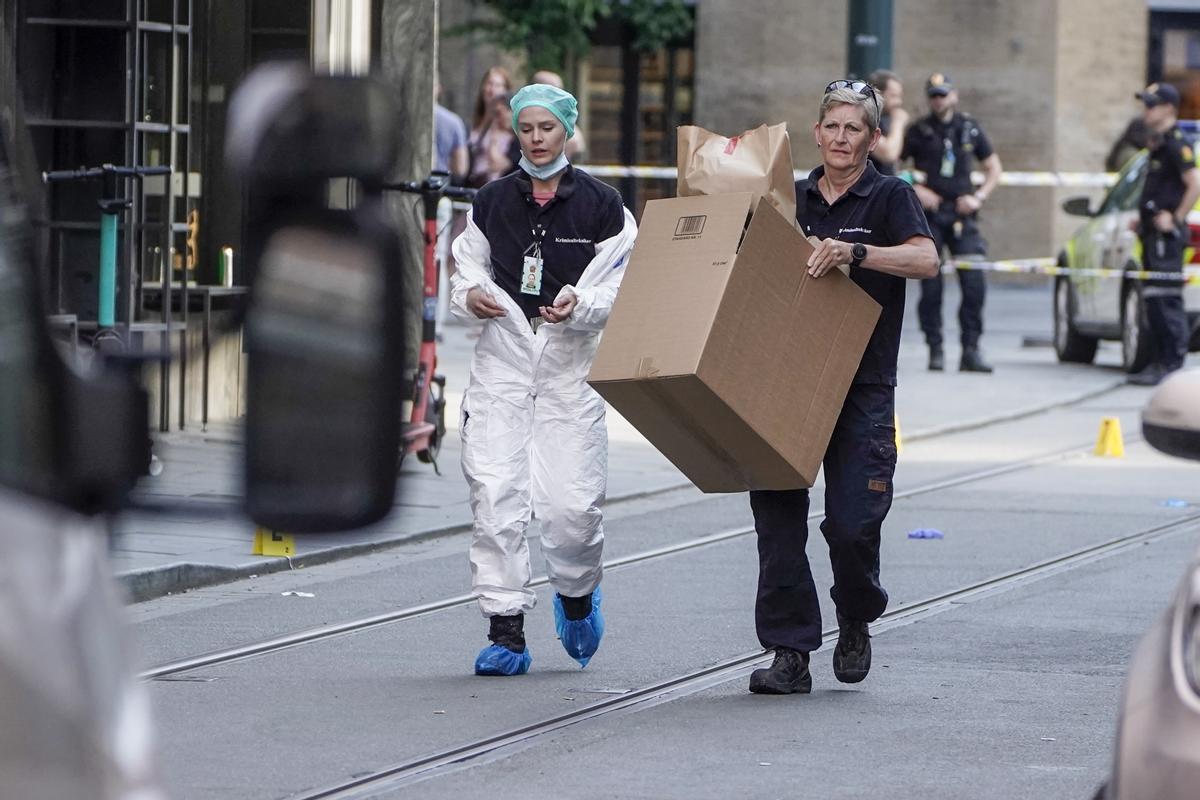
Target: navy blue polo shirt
(877,210)
(927,141)
(584,211)
(1170,156)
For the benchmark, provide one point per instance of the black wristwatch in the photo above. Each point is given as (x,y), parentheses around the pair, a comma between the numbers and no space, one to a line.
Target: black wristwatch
(857,253)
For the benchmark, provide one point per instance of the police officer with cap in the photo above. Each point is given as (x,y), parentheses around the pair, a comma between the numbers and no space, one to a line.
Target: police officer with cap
(944,146)
(1171,189)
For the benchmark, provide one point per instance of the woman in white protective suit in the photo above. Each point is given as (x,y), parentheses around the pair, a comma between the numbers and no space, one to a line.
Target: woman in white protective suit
(541,260)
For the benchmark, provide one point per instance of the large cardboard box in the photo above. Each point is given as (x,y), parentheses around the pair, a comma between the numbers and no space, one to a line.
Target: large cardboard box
(723,352)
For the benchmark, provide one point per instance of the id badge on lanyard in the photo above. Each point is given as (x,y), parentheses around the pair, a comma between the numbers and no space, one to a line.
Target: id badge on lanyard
(531,271)
(531,267)
(949,158)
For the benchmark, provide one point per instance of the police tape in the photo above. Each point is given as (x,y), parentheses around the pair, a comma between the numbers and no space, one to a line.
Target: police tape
(1050,266)
(1080,180)
(1054,179)
(1041,266)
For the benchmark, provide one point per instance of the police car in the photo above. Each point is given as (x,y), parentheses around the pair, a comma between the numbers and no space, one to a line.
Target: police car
(1090,305)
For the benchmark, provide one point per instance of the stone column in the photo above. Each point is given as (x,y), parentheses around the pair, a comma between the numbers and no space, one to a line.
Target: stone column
(407,61)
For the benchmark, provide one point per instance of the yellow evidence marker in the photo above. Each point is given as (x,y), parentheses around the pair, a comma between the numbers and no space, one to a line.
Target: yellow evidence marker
(1110,443)
(273,543)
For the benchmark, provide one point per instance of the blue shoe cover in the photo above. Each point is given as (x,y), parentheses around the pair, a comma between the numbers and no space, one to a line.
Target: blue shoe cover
(499,660)
(580,637)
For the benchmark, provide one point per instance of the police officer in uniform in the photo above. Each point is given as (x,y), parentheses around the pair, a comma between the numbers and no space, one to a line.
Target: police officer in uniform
(1171,189)
(874,224)
(944,146)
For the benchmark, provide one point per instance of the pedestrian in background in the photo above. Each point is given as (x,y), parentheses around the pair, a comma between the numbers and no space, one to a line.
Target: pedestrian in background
(540,261)
(495,82)
(449,140)
(1128,144)
(1171,189)
(494,151)
(873,223)
(893,122)
(449,155)
(945,146)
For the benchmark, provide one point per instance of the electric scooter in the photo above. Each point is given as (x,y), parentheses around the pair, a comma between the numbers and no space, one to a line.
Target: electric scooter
(426,426)
(107,339)
(111,205)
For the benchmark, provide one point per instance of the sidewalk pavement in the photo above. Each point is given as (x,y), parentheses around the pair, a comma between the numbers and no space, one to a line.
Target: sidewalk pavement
(206,541)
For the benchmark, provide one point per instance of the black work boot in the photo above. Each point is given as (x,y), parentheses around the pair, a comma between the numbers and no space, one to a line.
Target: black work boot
(788,674)
(937,358)
(852,656)
(508,632)
(576,608)
(1152,375)
(972,361)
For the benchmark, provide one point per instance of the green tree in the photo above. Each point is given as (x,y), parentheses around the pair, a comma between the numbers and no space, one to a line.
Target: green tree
(554,34)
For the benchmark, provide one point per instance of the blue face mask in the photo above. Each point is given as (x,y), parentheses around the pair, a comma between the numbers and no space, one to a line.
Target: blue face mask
(547,171)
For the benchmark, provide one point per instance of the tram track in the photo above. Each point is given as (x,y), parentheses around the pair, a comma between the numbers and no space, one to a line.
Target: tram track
(284,642)
(441,762)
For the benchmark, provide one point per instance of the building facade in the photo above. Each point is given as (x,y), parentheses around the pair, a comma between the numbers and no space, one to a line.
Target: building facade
(1052,83)
(148,83)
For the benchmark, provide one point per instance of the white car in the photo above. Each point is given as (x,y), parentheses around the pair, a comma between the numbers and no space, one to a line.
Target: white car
(1089,306)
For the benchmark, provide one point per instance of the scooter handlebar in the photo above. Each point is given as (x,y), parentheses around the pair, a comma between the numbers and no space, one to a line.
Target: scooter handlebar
(72,174)
(91,173)
(431,186)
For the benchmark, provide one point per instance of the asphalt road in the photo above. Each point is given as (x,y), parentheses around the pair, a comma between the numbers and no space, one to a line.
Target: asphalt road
(1008,693)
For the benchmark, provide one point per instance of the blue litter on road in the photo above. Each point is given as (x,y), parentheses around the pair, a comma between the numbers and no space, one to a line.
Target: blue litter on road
(580,637)
(1176,503)
(926,533)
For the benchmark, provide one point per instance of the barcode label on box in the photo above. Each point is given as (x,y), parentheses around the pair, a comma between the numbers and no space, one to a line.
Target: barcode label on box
(690,226)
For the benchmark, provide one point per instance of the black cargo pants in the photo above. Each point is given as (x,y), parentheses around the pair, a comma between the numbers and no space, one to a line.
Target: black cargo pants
(859,464)
(1163,299)
(962,237)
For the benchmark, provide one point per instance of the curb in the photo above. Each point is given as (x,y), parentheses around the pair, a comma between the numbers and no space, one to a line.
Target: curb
(1010,416)
(149,584)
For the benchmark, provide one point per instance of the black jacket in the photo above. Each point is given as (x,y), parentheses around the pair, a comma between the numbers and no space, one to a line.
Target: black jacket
(584,211)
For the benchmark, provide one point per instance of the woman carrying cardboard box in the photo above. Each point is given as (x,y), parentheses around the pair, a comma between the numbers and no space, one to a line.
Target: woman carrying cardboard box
(541,260)
(873,223)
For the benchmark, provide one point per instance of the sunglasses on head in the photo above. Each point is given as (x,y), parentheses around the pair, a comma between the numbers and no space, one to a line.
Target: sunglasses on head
(862,87)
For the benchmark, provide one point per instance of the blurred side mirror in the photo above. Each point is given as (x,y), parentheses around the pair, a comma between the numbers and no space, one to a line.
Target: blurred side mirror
(1171,420)
(323,333)
(324,344)
(1078,206)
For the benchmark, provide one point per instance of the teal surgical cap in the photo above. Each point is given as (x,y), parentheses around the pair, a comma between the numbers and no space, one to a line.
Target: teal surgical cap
(559,103)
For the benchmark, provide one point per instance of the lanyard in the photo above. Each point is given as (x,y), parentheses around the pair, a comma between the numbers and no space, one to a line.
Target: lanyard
(538,229)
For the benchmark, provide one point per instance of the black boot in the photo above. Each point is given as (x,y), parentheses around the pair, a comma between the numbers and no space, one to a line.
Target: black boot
(508,632)
(788,674)
(576,608)
(852,656)
(1152,375)
(972,361)
(937,358)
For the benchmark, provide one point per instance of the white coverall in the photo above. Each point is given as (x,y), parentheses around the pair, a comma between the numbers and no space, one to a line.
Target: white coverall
(533,433)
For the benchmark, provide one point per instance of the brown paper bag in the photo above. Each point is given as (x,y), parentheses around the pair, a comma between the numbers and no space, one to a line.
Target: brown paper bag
(758,161)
